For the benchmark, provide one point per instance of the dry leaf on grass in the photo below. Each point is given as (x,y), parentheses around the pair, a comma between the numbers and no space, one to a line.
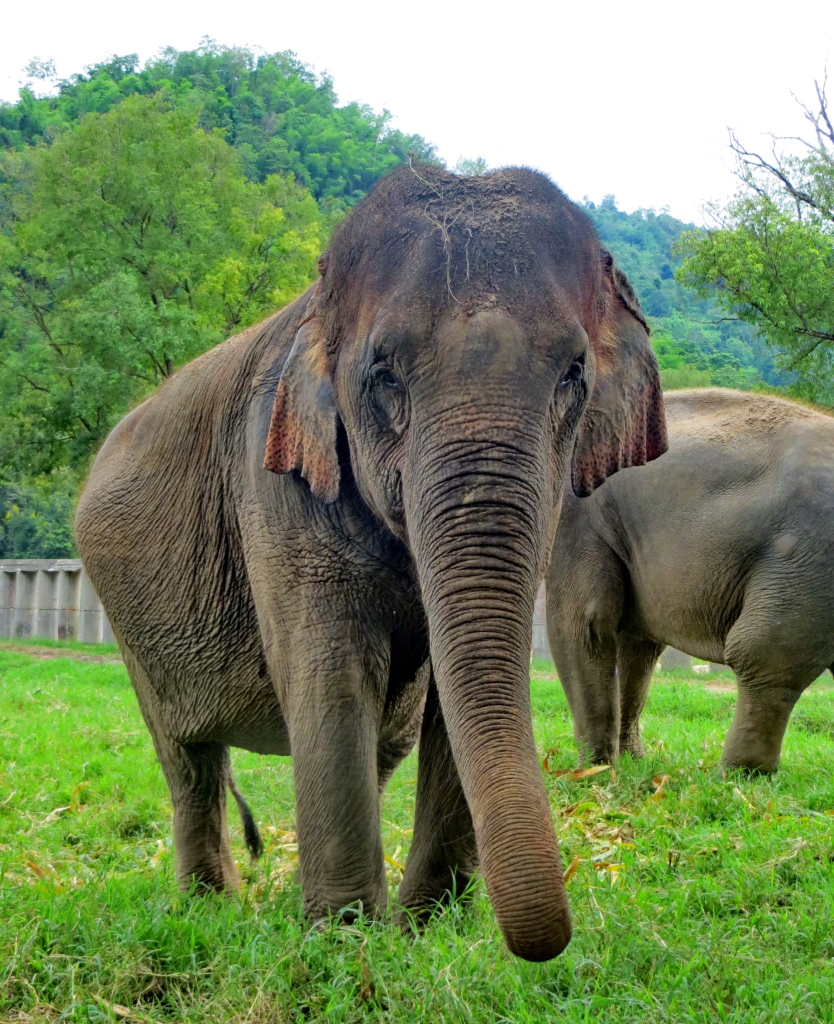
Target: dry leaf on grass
(659,783)
(571,871)
(742,797)
(579,773)
(367,990)
(124,1012)
(55,815)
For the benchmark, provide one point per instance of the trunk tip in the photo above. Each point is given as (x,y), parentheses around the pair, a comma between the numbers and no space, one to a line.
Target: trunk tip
(537,949)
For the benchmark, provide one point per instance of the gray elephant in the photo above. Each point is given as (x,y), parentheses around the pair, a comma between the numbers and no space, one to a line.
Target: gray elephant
(305,518)
(724,549)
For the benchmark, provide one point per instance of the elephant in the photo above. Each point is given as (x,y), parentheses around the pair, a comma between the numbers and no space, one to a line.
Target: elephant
(324,538)
(723,548)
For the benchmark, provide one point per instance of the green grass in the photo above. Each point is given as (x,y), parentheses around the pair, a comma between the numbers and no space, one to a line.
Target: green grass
(60,645)
(712,902)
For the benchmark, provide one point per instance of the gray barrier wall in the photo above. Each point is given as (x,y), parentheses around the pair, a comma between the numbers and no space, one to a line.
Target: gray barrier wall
(51,598)
(54,599)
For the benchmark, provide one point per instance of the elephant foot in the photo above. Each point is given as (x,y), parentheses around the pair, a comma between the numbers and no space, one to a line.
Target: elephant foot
(755,759)
(593,755)
(631,743)
(419,902)
(218,878)
(754,742)
(346,907)
(205,865)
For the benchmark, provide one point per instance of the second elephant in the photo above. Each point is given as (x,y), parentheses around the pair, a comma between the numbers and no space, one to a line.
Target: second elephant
(722,548)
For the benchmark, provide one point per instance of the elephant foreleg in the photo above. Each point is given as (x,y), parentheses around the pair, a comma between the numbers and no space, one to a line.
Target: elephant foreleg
(333,717)
(443,855)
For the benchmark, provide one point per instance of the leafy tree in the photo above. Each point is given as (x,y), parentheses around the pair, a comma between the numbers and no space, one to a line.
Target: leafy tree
(696,344)
(128,246)
(146,212)
(769,258)
(272,108)
(471,167)
(36,520)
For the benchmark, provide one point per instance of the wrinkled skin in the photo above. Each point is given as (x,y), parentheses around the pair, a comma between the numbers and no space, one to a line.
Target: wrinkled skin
(724,549)
(341,516)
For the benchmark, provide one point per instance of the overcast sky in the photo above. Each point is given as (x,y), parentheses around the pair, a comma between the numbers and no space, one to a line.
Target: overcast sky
(631,97)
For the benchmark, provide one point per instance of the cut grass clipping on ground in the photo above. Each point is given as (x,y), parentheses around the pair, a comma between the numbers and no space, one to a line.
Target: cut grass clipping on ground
(696,896)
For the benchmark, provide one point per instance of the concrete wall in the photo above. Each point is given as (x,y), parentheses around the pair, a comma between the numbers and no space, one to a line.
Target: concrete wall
(52,599)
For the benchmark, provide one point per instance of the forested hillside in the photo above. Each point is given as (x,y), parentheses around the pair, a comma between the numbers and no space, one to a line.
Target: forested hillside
(149,211)
(696,343)
(272,108)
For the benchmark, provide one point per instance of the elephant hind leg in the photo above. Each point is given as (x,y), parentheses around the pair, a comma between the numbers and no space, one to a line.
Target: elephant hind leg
(635,664)
(777,649)
(764,706)
(197,775)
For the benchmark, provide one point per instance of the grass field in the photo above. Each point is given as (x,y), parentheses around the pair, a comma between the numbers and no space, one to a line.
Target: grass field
(696,896)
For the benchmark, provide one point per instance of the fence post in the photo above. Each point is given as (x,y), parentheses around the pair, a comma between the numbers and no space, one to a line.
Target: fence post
(46,616)
(25,602)
(69,586)
(90,629)
(7,599)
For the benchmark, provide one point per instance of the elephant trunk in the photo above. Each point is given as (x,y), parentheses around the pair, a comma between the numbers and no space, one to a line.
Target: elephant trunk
(477,521)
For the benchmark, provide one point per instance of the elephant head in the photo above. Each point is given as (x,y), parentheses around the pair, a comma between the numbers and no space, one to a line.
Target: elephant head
(474,343)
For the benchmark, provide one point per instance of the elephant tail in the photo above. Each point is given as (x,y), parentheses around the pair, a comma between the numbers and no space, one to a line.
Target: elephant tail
(251,834)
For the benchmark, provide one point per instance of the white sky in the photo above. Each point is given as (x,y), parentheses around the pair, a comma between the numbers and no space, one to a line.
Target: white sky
(631,97)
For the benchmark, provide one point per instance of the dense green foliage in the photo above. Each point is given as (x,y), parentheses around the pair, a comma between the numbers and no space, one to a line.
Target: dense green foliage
(769,259)
(134,243)
(272,108)
(696,345)
(36,520)
(147,212)
(696,897)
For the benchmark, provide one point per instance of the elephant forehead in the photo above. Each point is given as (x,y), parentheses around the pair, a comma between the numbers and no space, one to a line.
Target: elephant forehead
(495,340)
(471,243)
(471,337)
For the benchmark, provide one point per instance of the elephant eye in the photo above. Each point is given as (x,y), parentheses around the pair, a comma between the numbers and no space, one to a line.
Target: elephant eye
(383,377)
(388,398)
(575,373)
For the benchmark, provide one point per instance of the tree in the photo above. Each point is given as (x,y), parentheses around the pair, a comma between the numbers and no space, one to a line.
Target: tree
(770,253)
(127,247)
(36,520)
(471,167)
(280,116)
(696,346)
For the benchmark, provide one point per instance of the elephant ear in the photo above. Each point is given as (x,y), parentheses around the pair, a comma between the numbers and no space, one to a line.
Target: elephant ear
(302,433)
(624,424)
